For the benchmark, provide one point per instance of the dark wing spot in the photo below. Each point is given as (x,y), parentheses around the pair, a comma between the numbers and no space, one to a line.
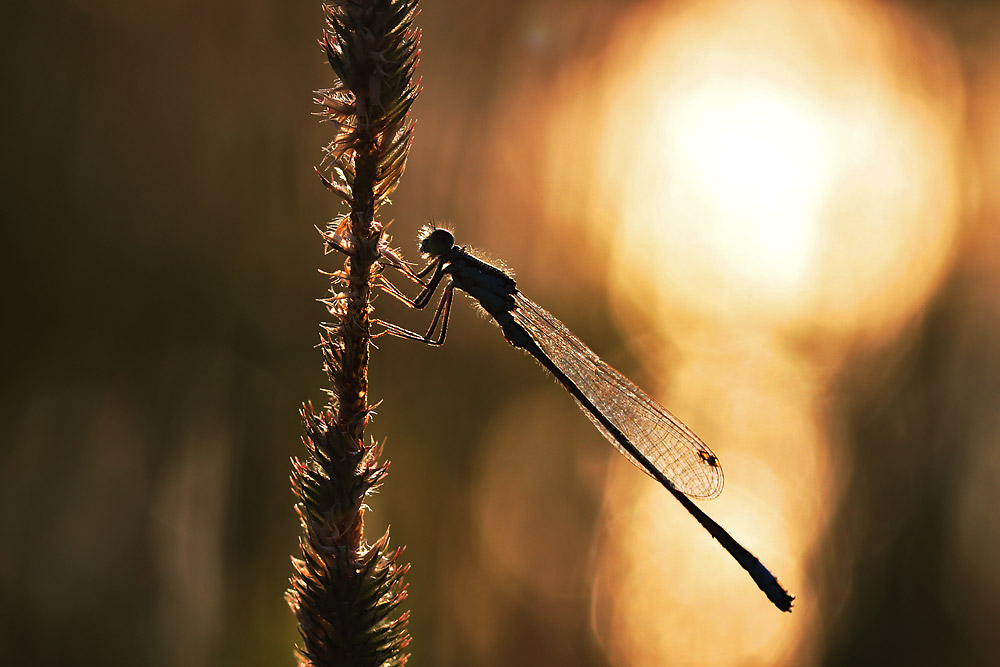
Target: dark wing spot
(709,458)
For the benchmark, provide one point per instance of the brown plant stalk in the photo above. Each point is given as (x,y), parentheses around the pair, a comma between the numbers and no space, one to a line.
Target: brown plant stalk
(346,593)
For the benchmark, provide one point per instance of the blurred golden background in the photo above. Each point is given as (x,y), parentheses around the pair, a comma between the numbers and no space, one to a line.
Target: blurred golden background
(780,217)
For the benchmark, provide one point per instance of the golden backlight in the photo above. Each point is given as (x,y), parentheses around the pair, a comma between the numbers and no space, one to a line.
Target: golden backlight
(757,163)
(769,159)
(762,172)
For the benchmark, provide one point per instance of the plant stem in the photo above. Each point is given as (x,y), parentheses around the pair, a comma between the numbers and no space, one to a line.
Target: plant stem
(346,593)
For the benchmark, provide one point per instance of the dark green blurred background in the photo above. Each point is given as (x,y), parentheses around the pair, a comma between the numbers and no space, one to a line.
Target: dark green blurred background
(159,288)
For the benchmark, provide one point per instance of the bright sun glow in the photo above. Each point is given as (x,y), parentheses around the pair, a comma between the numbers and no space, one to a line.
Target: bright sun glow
(758,162)
(745,169)
(759,169)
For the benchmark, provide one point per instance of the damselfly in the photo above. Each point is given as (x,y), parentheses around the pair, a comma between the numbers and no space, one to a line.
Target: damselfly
(639,427)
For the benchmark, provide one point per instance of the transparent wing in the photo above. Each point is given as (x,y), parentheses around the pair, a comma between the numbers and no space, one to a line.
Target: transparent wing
(667,443)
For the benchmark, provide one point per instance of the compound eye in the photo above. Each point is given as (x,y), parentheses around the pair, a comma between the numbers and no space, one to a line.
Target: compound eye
(438,242)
